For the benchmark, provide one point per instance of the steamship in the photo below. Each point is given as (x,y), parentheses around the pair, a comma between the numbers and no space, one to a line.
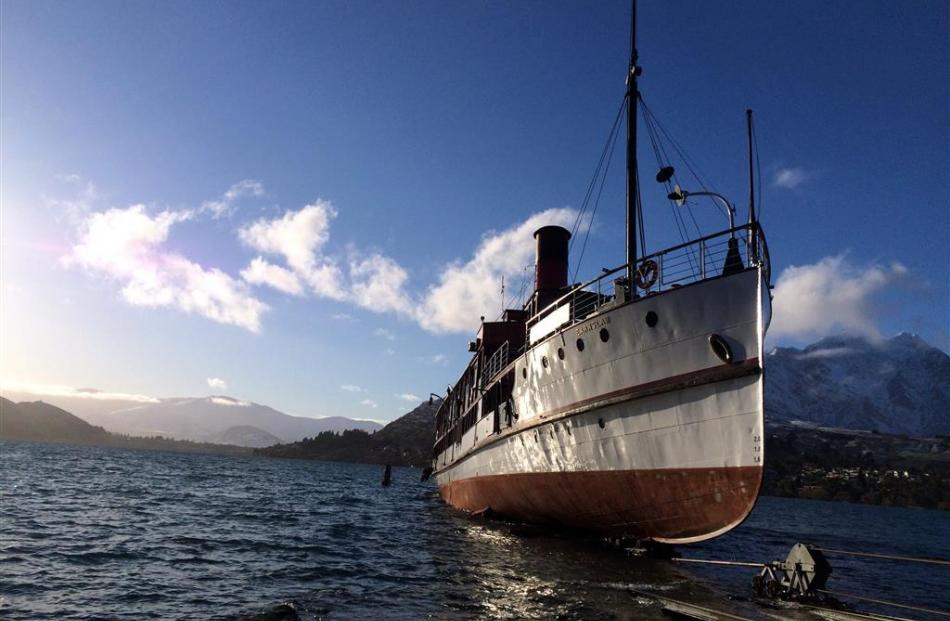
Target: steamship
(630,404)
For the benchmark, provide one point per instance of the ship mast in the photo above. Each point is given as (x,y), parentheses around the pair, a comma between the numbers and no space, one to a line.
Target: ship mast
(633,181)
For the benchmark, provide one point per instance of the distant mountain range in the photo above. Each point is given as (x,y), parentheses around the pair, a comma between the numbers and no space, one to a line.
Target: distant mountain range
(41,422)
(406,441)
(216,419)
(899,386)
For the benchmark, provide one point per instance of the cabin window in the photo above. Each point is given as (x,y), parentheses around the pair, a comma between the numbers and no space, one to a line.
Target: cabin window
(601,422)
(580,344)
(652,319)
(604,335)
(544,361)
(560,353)
(524,372)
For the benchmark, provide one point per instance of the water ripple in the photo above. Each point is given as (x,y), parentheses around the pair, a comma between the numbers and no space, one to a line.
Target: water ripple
(93,533)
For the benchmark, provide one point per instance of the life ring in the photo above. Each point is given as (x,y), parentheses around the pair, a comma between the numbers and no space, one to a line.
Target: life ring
(647,274)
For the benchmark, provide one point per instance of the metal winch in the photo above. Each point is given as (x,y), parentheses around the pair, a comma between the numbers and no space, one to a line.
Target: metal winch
(801,575)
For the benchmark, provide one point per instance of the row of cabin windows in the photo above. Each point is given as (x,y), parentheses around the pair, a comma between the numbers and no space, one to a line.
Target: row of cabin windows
(651,320)
(493,398)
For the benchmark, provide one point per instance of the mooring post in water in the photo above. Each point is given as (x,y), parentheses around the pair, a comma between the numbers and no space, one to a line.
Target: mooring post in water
(388,475)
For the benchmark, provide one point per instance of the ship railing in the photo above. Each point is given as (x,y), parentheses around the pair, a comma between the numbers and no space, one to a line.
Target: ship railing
(498,361)
(694,261)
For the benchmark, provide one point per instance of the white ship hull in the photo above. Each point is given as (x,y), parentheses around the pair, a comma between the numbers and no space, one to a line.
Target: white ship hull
(648,434)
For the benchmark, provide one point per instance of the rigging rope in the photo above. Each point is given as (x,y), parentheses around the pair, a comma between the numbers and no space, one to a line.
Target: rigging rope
(593,182)
(690,164)
(663,159)
(600,190)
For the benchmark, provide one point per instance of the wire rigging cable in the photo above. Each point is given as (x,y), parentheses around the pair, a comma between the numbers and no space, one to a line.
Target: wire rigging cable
(611,137)
(600,190)
(651,121)
(663,159)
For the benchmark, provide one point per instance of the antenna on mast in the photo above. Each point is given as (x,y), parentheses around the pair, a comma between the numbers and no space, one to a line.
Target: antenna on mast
(633,181)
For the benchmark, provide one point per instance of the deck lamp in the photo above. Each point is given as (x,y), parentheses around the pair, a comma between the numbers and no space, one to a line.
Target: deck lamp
(680,195)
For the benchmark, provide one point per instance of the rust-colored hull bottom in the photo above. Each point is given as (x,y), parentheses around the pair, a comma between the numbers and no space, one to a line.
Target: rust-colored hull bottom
(669,505)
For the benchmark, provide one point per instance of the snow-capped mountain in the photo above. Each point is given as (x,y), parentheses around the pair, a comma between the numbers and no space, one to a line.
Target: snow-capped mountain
(900,385)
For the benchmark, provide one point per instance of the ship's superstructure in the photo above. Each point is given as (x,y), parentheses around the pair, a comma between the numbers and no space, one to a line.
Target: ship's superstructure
(631,403)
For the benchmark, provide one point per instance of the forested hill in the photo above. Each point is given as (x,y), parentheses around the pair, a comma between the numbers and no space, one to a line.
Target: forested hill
(43,422)
(407,441)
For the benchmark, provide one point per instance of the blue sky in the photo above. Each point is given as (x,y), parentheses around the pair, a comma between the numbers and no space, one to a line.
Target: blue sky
(393,156)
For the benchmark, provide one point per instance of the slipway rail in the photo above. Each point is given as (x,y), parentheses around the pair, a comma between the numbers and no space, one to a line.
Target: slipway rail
(802,577)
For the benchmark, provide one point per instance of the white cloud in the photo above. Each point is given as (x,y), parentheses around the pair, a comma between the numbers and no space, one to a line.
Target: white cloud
(383,333)
(389,351)
(59,390)
(127,246)
(299,236)
(225,205)
(408,396)
(260,272)
(378,284)
(216,383)
(435,359)
(352,388)
(473,289)
(342,317)
(369,403)
(831,352)
(830,296)
(465,291)
(790,178)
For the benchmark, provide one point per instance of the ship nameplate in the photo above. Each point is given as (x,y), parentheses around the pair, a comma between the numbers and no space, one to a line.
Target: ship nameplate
(600,322)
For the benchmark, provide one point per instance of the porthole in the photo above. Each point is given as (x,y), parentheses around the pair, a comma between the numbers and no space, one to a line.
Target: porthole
(652,319)
(544,361)
(580,344)
(721,348)
(604,335)
(560,353)
(524,372)
(601,422)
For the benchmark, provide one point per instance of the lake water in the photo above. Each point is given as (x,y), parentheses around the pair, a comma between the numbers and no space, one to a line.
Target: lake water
(96,533)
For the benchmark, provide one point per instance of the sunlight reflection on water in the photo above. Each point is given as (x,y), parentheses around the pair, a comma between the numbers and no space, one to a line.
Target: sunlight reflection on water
(92,533)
